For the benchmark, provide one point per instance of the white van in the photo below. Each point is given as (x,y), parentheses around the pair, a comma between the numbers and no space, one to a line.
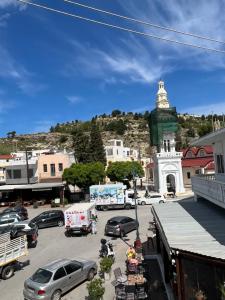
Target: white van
(151,199)
(78,218)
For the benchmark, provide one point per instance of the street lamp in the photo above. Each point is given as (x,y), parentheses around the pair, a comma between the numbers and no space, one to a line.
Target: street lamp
(137,242)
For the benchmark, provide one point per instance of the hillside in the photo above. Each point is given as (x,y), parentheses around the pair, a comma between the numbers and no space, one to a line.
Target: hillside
(132,128)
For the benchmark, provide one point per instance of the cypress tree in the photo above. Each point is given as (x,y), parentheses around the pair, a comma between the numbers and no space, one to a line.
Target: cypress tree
(96,147)
(81,146)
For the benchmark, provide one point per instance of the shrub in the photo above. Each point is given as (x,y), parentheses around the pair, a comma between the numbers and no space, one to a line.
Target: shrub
(96,289)
(35,204)
(106,264)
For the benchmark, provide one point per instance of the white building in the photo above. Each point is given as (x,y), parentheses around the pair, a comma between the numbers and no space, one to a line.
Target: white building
(115,151)
(212,187)
(4,162)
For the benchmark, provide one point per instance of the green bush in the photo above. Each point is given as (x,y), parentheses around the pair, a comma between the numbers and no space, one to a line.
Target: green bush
(35,204)
(96,289)
(106,264)
(66,201)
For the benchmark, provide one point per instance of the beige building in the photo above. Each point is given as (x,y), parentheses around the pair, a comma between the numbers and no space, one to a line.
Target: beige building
(50,166)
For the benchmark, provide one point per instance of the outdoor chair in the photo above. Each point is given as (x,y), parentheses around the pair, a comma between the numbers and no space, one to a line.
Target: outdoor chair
(130,292)
(140,292)
(117,273)
(120,292)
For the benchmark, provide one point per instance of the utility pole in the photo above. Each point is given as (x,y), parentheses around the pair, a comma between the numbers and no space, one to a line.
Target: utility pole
(27,165)
(137,241)
(212,122)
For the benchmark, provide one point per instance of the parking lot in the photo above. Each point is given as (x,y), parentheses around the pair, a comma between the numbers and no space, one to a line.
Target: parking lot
(52,244)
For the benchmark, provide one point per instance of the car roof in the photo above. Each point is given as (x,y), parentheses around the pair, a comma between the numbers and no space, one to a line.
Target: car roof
(56,264)
(118,218)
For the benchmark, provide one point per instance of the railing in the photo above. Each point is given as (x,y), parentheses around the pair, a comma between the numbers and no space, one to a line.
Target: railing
(208,187)
(169,154)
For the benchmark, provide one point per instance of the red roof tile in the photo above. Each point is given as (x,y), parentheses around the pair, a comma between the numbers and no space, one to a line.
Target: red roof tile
(6,156)
(196,162)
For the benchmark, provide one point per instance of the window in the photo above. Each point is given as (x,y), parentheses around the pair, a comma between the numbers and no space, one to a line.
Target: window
(60,273)
(164,143)
(52,166)
(70,268)
(45,168)
(220,163)
(188,175)
(201,153)
(197,172)
(9,174)
(16,174)
(118,143)
(42,276)
(110,151)
(30,173)
(60,167)
(189,154)
(156,196)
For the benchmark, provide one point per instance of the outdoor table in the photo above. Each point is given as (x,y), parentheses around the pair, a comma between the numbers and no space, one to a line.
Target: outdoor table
(122,279)
(136,279)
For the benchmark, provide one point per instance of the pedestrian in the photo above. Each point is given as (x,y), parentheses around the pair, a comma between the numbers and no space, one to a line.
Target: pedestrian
(93,224)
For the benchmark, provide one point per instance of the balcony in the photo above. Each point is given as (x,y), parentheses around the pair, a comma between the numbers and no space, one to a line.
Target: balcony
(169,154)
(208,187)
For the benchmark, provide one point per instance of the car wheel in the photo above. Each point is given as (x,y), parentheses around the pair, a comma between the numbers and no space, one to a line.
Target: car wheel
(161,201)
(7,272)
(91,275)
(127,206)
(143,203)
(56,295)
(60,223)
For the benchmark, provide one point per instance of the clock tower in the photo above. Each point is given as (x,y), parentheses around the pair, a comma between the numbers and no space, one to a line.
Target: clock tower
(168,175)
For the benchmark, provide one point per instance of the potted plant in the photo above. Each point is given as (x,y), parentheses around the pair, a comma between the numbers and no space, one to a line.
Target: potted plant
(222,290)
(96,289)
(200,295)
(35,204)
(105,267)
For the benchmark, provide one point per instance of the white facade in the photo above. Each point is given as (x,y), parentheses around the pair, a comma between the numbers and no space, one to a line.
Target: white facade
(115,151)
(212,187)
(168,176)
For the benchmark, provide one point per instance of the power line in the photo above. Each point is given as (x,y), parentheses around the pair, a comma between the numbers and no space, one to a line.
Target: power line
(145,23)
(122,28)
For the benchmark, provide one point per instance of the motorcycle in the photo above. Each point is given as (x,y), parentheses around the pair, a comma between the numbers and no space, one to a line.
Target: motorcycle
(106,249)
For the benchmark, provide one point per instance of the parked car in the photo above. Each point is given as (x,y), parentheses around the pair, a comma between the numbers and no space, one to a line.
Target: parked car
(119,226)
(20,228)
(49,218)
(151,199)
(20,210)
(58,277)
(9,219)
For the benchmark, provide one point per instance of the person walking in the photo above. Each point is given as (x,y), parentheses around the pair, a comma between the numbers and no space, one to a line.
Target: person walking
(93,224)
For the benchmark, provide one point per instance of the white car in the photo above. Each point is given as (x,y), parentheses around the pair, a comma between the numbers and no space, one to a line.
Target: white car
(152,199)
(8,219)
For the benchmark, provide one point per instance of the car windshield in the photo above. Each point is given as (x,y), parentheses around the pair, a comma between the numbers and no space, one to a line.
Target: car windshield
(113,222)
(42,276)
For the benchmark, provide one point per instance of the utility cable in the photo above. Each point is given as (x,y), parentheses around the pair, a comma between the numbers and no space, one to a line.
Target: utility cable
(121,28)
(145,23)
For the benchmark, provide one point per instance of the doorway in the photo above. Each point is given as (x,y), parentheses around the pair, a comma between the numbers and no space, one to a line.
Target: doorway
(170,182)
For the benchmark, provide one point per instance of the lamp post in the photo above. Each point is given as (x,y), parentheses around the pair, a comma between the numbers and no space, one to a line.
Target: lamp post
(137,242)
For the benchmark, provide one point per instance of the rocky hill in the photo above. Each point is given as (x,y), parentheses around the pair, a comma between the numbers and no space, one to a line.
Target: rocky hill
(132,128)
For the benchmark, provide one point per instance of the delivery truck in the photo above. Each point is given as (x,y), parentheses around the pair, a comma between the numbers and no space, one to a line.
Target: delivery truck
(10,251)
(111,196)
(78,218)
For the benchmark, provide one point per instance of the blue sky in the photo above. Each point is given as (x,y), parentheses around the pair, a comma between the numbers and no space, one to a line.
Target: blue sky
(57,69)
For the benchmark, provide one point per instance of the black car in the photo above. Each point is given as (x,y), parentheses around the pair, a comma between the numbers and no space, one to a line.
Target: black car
(49,218)
(20,210)
(120,225)
(22,228)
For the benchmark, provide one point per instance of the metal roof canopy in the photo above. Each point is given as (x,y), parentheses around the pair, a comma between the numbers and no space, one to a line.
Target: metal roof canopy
(80,206)
(193,227)
(34,186)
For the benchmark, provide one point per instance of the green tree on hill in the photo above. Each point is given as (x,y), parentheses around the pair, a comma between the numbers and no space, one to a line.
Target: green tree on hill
(96,147)
(81,146)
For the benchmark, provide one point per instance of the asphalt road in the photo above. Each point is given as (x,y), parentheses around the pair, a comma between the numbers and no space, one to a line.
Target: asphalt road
(52,244)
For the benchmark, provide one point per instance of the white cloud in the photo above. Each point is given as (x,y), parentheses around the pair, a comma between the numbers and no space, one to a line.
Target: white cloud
(139,59)
(11,69)
(74,99)
(6,3)
(216,108)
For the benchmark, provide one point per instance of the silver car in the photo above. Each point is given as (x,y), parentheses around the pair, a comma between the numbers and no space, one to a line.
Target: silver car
(58,277)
